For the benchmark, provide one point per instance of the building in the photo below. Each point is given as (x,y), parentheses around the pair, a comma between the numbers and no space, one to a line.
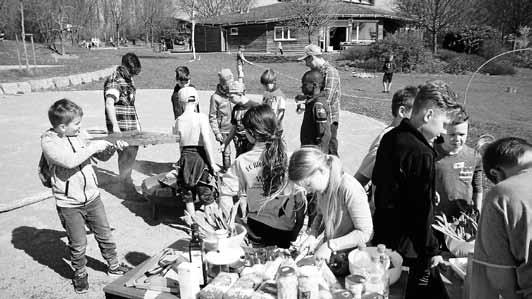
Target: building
(261,29)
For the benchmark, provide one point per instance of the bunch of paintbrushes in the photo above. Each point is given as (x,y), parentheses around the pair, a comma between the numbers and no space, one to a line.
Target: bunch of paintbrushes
(214,220)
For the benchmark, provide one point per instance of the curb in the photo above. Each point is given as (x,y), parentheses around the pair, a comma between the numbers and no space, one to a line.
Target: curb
(26,87)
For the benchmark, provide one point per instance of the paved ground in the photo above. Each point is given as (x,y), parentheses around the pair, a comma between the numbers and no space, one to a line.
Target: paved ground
(32,243)
(13,67)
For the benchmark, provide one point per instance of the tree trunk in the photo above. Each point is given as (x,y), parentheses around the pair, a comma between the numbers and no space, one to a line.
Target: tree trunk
(193,40)
(24,36)
(309,35)
(434,43)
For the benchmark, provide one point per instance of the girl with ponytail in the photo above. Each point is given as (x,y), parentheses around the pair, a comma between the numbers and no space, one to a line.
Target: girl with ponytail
(343,209)
(272,206)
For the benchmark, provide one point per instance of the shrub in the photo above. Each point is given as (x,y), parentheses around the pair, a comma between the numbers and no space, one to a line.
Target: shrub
(503,67)
(446,55)
(522,59)
(469,38)
(490,48)
(407,48)
(463,63)
(355,53)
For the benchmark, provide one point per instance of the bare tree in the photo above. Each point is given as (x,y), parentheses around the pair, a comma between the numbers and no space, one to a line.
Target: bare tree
(506,15)
(309,16)
(435,16)
(204,8)
(152,12)
(115,10)
(238,5)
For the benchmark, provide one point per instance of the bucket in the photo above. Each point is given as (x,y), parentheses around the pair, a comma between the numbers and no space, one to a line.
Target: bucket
(222,242)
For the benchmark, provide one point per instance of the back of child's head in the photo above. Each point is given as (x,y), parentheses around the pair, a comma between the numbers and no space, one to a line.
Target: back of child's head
(315,77)
(182,73)
(132,63)
(505,153)
(261,123)
(435,94)
(404,97)
(63,112)
(304,163)
(268,77)
(188,94)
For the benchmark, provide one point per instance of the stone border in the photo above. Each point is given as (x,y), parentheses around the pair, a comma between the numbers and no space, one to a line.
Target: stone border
(14,88)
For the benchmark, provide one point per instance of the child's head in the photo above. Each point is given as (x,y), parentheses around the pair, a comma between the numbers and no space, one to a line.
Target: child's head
(182,76)
(236,92)
(65,117)
(225,76)
(455,137)
(506,157)
(402,101)
(432,106)
(241,47)
(268,79)
(261,125)
(132,63)
(312,83)
(319,173)
(188,95)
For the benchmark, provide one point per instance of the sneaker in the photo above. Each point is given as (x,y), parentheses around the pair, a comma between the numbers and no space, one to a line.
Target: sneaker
(81,283)
(118,270)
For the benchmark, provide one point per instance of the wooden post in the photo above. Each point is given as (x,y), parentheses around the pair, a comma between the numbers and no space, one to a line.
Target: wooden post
(33,50)
(23,35)
(18,53)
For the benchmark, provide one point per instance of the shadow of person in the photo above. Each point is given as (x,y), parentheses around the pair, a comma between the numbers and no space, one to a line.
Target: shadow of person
(151,168)
(46,247)
(136,258)
(108,181)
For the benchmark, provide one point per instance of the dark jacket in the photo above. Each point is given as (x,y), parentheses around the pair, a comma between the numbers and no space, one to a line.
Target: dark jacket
(404,178)
(316,125)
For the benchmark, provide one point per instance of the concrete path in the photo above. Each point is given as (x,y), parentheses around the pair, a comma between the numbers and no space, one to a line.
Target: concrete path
(33,252)
(13,67)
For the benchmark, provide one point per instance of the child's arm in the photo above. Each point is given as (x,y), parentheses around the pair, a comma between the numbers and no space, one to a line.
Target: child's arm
(207,141)
(477,184)
(58,155)
(213,120)
(244,58)
(230,136)
(111,113)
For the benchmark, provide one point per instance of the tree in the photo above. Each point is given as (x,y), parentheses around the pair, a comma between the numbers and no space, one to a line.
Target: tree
(116,15)
(506,15)
(310,16)
(436,16)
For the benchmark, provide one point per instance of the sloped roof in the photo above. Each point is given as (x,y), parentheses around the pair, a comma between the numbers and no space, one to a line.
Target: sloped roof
(281,11)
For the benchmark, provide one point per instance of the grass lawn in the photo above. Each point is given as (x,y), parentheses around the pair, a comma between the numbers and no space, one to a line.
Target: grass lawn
(492,109)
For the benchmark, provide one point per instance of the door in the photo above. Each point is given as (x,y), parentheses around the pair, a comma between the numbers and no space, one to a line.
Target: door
(337,35)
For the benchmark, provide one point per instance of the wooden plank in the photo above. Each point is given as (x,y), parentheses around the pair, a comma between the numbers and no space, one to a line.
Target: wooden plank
(135,138)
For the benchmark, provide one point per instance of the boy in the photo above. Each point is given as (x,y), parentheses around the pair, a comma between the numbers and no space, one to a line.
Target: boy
(502,264)
(241,106)
(458,169)
(182,78)
(240,60)
(75,188)
(121,114)
(196,162)
(402,102)
(404,177)
(316,125)
(388,69)
(273,96)
(220,113)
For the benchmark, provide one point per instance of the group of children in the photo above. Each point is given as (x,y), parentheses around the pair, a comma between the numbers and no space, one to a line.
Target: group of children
(411,171)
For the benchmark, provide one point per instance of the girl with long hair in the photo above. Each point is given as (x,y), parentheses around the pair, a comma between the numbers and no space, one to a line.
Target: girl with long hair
(272,206)
(343,209)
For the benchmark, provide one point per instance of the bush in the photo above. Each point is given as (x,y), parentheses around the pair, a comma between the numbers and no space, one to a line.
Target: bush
(522,59)
(469,38)
(463,63)
(499,68)
(355,53)
(408,50)
(446,55)
(490,48)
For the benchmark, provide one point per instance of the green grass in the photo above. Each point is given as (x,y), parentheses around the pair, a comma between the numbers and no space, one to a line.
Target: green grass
(492,109)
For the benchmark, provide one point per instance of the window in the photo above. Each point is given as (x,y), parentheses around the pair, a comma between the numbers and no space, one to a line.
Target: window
(364,32)
(233,31)
(282,33)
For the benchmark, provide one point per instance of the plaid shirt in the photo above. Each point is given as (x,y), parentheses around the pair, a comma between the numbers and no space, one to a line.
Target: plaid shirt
(332,90)
(120,87)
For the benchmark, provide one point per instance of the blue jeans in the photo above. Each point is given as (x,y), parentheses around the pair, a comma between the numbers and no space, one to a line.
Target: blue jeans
(74,221)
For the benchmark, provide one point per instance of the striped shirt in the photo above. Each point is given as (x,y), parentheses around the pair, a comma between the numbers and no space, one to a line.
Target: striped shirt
(120,87)
(332,90)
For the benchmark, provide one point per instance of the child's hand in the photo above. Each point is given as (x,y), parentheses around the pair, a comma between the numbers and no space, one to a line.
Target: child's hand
(219,138)
(121,144)
(100,145)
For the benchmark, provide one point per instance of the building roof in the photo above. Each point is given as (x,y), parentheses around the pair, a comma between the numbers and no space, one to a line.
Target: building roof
(281,12)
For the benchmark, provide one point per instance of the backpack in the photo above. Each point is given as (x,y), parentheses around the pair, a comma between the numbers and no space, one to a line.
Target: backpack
(44,172)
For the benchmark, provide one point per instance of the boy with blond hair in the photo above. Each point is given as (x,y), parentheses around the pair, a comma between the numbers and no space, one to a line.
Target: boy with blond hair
(273,96)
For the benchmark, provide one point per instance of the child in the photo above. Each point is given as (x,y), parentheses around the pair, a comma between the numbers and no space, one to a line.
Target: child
(241,105)
(240,60)
(182,77)
(196,162)
(404,179)
(275,207)
(75,188)
(316,125)
(388,69)
(343,209)
(273,96)
(220,113)
(502,267)
(458,170)
(402,102)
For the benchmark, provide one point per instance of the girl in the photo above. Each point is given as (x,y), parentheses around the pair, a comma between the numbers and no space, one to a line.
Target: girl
(343,209)
(274,207)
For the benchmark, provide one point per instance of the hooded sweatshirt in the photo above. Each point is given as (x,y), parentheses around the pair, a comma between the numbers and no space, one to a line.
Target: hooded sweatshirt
(74,182)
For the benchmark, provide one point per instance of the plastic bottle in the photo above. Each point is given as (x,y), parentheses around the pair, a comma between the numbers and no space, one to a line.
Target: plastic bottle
(384,259)
(188,281)
(195,254)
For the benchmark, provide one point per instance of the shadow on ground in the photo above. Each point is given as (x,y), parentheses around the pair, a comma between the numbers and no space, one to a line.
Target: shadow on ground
(46,247)
(150,168)
(136,258)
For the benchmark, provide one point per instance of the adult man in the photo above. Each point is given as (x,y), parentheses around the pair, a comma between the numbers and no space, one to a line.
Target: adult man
(121,115)
(405,188)
(502,263)
(314,60)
